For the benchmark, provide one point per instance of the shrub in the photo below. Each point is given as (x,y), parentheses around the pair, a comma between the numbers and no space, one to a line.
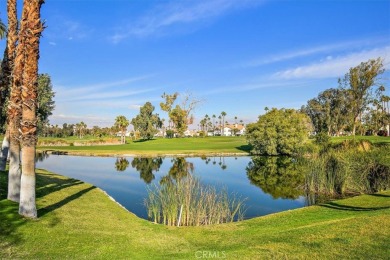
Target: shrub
(279,132)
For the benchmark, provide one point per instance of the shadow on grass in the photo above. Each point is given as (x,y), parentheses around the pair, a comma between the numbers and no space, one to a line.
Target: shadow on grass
(9,218)
(47,184)
(50,208)
(334,205)
(143,140)
(3,184)
(380,195)
(246,148)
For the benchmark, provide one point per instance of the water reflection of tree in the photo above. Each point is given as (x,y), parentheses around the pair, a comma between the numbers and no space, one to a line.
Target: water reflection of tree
(282,177)
(41,156)
(146,167)
(221,163)
(121,164)
(180,169)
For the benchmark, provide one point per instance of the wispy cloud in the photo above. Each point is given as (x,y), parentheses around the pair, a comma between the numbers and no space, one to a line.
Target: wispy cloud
(106,88)
(110,95)
(90,120)
(63,28)
(333,66)
(177,13)
(75,104)
(322,49)
(263,83)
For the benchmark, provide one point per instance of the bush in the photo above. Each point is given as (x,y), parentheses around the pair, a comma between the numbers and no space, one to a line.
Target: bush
(322,139)
(170,133)
(279,132)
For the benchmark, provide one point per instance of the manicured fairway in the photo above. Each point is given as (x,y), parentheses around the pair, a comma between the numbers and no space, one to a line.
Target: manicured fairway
(164,146)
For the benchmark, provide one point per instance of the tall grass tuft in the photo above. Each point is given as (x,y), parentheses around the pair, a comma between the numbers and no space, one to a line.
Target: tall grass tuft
(202,204)
(349,169)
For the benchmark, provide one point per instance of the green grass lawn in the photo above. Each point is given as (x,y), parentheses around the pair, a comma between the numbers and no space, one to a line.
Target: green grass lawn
(163,146)
(174,146)
(77,220)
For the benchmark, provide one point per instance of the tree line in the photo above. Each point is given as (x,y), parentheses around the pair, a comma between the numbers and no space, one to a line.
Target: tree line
(359,104)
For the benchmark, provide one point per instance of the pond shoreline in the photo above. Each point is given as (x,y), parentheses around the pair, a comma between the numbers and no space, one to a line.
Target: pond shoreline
(143,155)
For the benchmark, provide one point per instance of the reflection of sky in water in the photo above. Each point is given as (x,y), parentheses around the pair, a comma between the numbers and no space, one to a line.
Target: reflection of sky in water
(129,189)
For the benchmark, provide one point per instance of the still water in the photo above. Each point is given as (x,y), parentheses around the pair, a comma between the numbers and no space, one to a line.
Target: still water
(268,184)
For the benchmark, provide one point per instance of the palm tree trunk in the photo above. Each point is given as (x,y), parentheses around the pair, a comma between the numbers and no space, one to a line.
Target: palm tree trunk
(31,29)
(14,173)
(9,53)
(4,151)
(14,107)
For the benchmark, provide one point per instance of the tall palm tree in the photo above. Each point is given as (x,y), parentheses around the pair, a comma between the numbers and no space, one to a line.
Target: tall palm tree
(121,122)
(6,69)
(29,35)
(223,114)
(13,86)
(214,116)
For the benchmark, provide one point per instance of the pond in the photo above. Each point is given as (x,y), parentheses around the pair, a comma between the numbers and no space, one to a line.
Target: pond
(269,184)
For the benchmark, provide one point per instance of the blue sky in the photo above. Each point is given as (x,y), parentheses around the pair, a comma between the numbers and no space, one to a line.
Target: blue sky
(108,57)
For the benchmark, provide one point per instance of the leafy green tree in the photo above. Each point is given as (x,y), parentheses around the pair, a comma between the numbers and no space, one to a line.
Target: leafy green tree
(179,119)
(45,100)
(359,82)
(146,122)
(45,106)
(329,111)
(167,105)
(181,115)
(279,132)
(68,129)
(121,122)
(170,133)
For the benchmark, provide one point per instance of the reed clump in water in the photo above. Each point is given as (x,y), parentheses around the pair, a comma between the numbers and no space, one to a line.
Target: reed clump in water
(200,204)
(349,170)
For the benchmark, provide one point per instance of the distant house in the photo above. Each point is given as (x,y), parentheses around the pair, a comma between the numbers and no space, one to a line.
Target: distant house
(160,133)
(231,130)
(119,134)
(190,133)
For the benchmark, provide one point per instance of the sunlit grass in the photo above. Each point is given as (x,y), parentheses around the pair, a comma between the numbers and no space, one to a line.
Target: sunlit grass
(163,146)
(77,220)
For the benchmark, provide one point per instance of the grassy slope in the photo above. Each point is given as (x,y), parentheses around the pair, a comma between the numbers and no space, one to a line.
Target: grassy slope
(372,139)
(78,221)
(163,146)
